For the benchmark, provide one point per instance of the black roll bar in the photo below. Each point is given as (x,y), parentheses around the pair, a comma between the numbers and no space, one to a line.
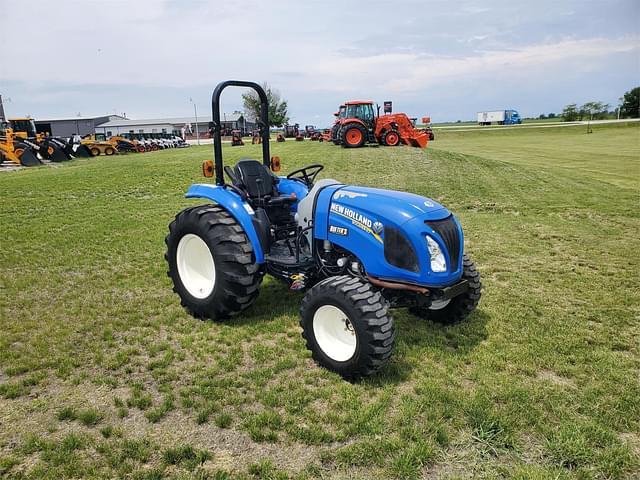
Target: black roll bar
(263,122)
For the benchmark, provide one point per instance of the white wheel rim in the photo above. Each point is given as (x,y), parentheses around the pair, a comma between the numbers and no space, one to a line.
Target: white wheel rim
(195,266)
(439,304)
(334,333)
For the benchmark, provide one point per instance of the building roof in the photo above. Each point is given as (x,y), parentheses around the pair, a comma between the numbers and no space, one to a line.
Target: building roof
(97,117)
(227,117)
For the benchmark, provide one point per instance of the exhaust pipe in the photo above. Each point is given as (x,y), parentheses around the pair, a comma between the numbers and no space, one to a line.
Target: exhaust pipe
(397,286)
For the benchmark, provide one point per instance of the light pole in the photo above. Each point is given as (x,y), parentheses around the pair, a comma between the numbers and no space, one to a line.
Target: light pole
(195,111)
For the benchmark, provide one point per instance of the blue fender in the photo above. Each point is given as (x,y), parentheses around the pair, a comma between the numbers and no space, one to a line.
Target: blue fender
(231,201)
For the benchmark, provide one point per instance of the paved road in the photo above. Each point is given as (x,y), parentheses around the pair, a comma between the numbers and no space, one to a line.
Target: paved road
(470,128)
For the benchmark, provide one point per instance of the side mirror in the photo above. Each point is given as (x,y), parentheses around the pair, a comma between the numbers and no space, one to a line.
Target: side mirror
(275,164)
(207,168)
(426,120)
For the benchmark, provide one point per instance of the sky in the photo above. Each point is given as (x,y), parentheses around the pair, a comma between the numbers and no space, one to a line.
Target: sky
(444,59)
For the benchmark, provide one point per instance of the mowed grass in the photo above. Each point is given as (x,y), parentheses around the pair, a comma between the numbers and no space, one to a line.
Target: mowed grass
(103,375)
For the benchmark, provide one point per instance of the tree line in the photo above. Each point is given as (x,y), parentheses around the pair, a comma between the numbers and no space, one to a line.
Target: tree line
(594,110)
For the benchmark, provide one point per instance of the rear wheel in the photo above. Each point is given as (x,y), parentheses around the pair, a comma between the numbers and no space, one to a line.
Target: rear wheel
(391,138)
(95,151)
(211,263)
(347,326)
(353,135)
(458,308)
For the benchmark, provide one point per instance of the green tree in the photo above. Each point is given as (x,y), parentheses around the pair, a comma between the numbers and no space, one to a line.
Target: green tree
(277,106)
(570,113)
(593,111)
(630,107)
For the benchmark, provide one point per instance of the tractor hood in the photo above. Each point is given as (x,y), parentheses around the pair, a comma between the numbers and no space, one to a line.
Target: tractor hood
(390,204)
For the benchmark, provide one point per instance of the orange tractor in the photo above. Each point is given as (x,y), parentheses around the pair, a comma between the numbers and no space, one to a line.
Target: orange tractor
(333,134)
(361,125)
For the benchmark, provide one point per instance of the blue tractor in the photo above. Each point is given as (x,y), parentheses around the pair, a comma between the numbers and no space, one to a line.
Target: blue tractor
(356,251)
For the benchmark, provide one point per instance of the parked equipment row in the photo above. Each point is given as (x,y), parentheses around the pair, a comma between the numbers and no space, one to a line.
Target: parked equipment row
(21,144)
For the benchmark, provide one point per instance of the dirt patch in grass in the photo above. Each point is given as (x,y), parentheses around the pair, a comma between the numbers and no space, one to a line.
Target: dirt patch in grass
(554,378)
(633,440)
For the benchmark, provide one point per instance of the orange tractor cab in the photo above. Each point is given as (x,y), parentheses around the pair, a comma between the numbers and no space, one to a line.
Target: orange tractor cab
(361,125)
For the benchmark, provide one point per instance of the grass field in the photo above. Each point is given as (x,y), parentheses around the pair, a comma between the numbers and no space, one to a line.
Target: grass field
(103,375)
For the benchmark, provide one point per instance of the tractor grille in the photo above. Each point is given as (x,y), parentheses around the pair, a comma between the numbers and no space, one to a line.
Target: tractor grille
(448,231)
(398,251)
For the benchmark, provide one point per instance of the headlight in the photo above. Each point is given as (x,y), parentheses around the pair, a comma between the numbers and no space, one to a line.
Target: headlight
(438,263)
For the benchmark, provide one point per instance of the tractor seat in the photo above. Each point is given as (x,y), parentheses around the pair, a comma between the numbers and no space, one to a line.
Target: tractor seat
(260,184)
(256,179)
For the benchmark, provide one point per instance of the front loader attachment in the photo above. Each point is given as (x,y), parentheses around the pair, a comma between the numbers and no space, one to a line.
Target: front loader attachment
(28,158)
(64,146)
(417,139)
(52,151)
(82,151)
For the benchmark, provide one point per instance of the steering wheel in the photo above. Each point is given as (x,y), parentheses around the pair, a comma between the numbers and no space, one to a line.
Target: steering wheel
(306,175)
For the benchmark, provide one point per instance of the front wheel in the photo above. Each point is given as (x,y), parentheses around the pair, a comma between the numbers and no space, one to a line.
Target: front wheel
(211,263)
(458,308)
(347,326)
(391,138)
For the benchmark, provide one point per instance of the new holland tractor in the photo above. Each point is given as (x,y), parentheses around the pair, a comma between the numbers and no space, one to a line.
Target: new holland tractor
(356,251)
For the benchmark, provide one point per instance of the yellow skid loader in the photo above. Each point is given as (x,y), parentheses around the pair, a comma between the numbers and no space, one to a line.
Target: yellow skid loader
(97,146)
(122,144)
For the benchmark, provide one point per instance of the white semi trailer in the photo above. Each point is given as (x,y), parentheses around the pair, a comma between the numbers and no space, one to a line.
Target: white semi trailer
(499,117)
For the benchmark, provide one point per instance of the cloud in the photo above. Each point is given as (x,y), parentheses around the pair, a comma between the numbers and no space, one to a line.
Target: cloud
(152,55)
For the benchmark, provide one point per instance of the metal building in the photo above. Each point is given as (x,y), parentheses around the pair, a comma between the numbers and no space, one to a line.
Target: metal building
(175,125)
(66,127)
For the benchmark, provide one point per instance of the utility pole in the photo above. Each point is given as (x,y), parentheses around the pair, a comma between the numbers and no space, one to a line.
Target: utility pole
(2,116)
(195,111)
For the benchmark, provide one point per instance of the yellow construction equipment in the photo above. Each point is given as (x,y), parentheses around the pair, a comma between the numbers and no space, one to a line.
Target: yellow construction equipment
(123,144)
(15,150)
(25,129)
(98,145)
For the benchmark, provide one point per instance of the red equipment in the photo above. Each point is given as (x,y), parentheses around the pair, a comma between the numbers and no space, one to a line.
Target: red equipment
(361,125)
(333,134)
(236,139)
